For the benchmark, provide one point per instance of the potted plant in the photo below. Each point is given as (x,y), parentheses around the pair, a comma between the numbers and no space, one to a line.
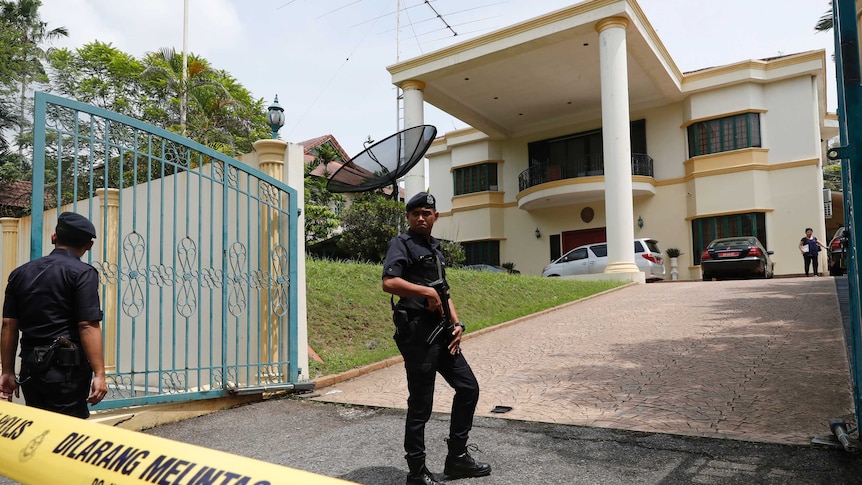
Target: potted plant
(673,254)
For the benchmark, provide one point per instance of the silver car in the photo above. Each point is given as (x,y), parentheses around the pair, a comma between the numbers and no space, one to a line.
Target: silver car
(593,258)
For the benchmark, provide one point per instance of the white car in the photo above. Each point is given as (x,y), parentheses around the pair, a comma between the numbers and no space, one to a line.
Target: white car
(593,258)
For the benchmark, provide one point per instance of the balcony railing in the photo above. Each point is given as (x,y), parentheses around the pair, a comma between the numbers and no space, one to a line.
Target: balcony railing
(588,166)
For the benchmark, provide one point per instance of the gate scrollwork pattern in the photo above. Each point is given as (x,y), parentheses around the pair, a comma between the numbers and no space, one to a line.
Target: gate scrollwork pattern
(237,279)
(187,253)
(280,281)
(134,252)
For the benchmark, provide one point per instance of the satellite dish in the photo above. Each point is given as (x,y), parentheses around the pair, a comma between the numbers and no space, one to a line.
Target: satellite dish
(384,162)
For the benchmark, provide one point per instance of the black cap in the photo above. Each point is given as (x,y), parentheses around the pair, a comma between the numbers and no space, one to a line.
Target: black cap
(422,199)
(76,225)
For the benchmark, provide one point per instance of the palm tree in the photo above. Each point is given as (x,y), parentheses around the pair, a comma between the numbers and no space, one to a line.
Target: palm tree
(825,22)
(31,32)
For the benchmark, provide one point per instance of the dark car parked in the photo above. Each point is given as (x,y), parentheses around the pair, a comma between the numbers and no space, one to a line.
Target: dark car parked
(739,257)
(838,252)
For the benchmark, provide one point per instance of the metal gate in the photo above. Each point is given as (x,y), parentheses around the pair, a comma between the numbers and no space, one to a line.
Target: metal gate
(196,254)
(847,64)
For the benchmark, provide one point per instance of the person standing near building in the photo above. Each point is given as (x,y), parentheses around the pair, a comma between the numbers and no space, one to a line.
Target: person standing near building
(53,302)
(413,263)
(809,246)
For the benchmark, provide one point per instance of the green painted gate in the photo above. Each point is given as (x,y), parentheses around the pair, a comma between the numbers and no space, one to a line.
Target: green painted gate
(196,253)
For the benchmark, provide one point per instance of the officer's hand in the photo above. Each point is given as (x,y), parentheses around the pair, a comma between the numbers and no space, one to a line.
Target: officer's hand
(455,344)
(434,302)
(98,390)
(8,387)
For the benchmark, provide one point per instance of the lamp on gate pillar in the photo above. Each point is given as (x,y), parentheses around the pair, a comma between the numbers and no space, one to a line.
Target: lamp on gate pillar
(275,117)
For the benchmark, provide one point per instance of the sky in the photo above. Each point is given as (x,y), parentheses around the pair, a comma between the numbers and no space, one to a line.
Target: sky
(326,59)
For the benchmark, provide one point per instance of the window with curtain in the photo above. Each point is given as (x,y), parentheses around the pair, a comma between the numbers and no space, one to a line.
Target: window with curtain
(482,252)
(475,178)
(724,134)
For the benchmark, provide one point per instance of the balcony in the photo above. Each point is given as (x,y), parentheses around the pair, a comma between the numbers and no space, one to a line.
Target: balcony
(589,166)
(578,182)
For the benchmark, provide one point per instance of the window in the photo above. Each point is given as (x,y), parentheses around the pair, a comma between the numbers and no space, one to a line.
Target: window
(555,245)
(475,178)
(576,255)
(601,250)
(704,230)
(724,134)
(482,252)
(578,154)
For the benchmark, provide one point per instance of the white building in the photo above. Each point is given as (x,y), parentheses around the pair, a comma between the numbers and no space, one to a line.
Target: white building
(583,129)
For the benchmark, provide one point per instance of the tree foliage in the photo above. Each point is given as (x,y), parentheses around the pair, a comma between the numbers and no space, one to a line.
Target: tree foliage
(824,23)
(369,224)
(23,36)
(220,112)
(322,207)
(832,177)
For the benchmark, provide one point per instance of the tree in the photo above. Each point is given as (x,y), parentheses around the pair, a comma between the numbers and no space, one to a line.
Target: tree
(321,206)
(369,224)
(832,177)
(220,112)
(29,33)
(101,75)
(824,24)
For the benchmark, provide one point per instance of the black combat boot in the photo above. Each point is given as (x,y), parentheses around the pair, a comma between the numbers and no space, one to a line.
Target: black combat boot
(419,474)
(459,463)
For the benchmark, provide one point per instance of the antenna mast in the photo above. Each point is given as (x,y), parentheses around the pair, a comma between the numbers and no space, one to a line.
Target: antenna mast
(398,95)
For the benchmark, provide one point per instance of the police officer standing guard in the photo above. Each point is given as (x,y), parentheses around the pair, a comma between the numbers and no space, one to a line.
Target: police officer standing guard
(415,271)
(54,302)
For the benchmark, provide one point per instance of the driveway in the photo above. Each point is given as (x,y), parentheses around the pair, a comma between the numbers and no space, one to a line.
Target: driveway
(755,360)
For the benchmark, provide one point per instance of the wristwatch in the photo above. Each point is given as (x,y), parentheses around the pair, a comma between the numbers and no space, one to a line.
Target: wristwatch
(463,328)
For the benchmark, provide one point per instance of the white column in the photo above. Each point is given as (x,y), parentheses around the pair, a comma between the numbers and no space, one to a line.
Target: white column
(294,165)
(285,161)
(616,143)
(414,115)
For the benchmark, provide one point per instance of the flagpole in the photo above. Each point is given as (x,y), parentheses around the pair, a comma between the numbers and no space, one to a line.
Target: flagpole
(184,100)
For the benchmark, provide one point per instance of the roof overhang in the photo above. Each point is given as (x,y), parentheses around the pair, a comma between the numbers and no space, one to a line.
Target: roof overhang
(543,72)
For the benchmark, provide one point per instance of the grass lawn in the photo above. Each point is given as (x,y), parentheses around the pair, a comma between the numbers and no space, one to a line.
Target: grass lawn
(350,320)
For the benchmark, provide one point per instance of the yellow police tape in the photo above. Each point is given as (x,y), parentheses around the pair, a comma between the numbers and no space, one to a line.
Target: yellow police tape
(41,447)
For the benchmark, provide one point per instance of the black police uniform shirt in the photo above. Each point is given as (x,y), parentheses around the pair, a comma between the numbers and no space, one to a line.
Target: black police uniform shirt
(415,264)
(49,296)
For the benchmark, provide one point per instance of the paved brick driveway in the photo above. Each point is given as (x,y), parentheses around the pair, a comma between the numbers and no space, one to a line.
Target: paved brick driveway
(750,360)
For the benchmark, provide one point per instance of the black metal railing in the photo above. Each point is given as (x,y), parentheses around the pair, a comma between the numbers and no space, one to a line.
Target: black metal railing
(588,166)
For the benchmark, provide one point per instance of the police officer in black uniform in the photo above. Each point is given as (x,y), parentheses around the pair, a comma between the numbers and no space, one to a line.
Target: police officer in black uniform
(54,302)
(413,262)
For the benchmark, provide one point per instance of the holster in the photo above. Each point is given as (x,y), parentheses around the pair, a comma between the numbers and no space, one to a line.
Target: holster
(61,353)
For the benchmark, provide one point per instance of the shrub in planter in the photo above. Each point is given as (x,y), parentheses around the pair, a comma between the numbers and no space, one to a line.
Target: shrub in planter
(673,252)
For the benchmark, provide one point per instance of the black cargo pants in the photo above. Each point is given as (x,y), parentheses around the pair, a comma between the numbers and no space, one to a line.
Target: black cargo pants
(422,363)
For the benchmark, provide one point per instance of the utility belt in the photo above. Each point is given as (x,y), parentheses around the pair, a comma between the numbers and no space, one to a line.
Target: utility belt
(403,315)
(62,354)
(412,325)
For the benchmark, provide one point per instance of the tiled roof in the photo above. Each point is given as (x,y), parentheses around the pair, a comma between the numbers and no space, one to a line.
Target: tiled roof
(309,145)
(16,193)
